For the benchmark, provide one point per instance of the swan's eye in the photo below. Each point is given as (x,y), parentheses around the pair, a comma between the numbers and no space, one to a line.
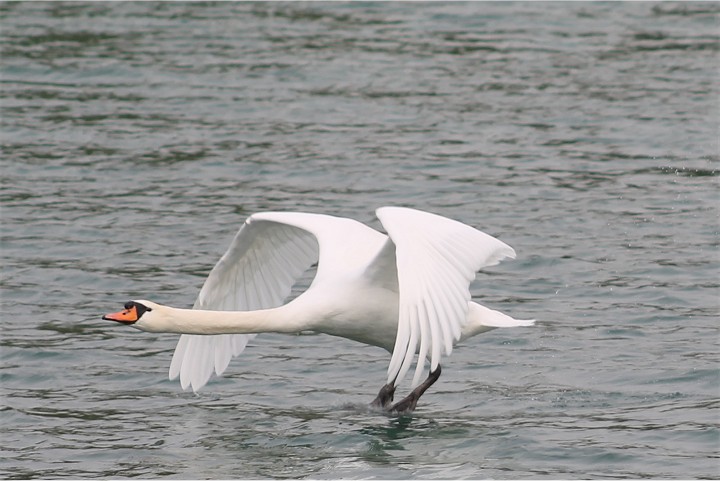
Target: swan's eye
(140,308)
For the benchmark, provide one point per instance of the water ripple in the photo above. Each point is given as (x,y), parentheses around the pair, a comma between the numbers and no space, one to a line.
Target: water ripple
(138,136)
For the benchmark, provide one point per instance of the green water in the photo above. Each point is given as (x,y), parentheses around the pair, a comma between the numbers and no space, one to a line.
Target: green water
(137,137)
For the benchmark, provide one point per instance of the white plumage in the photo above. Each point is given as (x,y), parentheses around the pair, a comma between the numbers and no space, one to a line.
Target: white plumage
(430,259)
(407,291)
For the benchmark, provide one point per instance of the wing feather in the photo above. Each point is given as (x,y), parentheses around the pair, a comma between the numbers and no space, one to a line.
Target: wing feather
(424,320)
(258,271)
(437,259)
(267,256)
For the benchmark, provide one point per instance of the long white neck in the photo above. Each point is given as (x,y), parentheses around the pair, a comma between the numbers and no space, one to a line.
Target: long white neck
(196,321)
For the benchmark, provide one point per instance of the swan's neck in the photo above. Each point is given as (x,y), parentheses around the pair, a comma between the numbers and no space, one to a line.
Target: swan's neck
(196,321)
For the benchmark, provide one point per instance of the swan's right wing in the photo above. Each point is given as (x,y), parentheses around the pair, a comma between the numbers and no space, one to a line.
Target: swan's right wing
(268,255)
(264,260)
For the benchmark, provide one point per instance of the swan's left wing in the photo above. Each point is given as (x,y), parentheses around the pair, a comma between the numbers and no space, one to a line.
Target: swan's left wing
(437,259)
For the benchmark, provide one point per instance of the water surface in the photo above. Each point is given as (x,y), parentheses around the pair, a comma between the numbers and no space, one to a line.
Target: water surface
(137,137)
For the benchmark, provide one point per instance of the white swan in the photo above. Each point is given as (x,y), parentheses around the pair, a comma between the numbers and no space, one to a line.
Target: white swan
(407,292)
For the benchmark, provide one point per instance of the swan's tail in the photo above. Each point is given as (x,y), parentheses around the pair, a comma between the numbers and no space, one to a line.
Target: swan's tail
(492,318)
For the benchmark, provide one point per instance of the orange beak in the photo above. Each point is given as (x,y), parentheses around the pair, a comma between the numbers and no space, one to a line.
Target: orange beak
(126,316)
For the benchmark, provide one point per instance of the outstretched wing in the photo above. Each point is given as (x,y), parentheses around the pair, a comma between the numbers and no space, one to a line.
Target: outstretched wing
(258,271)
(268,255)
(437,259)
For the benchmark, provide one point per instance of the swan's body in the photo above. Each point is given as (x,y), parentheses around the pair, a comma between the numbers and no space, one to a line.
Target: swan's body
(407,292)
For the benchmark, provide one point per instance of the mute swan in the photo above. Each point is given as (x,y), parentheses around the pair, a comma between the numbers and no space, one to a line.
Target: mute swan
(393,291)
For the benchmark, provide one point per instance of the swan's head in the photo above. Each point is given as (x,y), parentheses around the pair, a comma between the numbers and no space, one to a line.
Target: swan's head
(138,314)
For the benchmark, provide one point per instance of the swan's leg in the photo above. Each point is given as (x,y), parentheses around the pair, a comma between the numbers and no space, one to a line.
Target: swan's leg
(408,404)
(384,397)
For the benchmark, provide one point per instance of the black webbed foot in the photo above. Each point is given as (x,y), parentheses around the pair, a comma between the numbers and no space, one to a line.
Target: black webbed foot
(408,404)
(384,397)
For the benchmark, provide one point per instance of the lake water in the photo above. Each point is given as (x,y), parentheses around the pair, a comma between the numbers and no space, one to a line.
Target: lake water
(137,137)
